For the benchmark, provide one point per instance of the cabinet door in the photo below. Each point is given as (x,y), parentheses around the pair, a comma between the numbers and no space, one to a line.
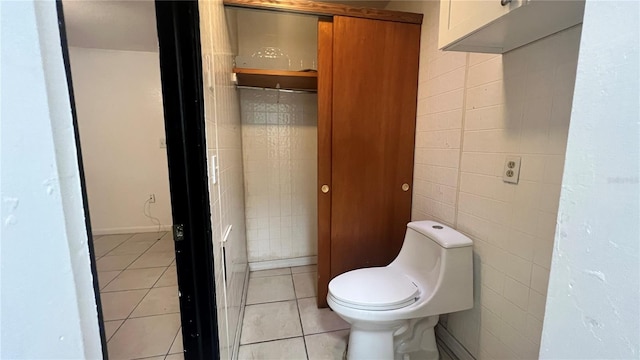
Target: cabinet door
(375,78)
(459,18)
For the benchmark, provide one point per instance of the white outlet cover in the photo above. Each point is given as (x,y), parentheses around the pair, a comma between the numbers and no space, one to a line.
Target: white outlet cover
(511,170)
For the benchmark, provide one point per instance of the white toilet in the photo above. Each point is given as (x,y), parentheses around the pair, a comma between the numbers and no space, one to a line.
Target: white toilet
(393,310)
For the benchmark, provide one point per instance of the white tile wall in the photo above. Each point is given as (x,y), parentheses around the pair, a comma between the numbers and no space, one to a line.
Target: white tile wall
(473,110)
(279,138)
(224,140)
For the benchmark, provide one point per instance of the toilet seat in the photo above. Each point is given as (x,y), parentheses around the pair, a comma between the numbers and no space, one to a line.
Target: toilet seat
(375,289)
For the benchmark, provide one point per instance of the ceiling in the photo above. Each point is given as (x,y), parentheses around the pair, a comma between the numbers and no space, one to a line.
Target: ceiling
(129,25)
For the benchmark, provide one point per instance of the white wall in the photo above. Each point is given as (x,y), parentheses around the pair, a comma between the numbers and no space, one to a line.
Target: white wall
(48,307)
(473,111)
(120,117)
(224,140)
(279,146)
(594,291)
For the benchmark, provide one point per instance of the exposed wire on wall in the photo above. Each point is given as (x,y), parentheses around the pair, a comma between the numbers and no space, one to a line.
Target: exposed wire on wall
(154,220)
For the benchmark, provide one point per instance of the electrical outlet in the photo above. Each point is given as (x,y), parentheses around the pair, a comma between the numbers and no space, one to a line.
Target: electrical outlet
(152,198)
(511,171)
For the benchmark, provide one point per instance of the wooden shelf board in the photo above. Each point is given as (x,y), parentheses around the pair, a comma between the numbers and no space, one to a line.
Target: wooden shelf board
(326,9)
(289,80)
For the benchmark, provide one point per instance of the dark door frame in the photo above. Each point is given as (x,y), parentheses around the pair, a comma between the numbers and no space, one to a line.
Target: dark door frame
(183,102)
(183,96)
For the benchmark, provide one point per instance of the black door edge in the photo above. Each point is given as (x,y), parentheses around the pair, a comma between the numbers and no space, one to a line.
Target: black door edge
(183,99)
(76,134)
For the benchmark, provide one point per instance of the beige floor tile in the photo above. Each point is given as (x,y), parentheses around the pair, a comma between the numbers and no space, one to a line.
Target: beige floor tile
(135,279)
(304,269)
(270,289)
(168,236)
(290,349)
(132,248)
(158,301)
(270,321)
(115,239)
(327,346)
(119,305)
(104,244)
(110,327)
(176,347)
(102,249)
(104,277)
(316,320)
(169,278)
(270,272)
(163,246)
(144,337)
(153,259)
(305,285)
(117,262)
(149,236)
(175,357)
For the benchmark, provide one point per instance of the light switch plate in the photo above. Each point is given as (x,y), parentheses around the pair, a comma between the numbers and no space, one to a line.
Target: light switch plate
(511,171)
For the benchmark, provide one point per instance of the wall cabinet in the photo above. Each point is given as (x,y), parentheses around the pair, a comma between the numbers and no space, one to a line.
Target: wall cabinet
(367,88)
(498,26)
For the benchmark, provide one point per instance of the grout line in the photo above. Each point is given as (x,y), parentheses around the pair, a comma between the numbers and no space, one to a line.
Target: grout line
(268,276)
(304,341)
(271,302)
(144,317)
(459,170)
(173,342)
(100,288)
(268,341)
(118,328)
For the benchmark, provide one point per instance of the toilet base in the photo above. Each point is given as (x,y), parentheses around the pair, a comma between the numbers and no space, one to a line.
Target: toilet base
(418,341)
(372,341)
(398,340)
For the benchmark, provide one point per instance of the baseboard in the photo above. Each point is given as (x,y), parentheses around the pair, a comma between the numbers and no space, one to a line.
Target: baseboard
(452,345)
(281,263)
(130,230)
(243,303)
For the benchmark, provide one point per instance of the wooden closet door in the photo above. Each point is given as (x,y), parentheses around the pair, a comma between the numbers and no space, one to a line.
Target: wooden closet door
(375,79)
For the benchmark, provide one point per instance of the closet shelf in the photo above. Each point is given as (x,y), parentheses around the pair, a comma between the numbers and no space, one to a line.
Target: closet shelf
(289,80)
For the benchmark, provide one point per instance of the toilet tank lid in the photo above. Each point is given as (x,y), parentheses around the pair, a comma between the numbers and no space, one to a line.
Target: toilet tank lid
(442,234)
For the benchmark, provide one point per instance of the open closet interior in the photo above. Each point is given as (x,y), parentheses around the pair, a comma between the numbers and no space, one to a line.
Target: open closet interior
(276,71)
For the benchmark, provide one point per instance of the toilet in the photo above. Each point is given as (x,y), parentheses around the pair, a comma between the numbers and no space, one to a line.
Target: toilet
(393,309)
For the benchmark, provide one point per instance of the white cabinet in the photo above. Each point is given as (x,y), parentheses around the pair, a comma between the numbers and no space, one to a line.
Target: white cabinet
(497,26)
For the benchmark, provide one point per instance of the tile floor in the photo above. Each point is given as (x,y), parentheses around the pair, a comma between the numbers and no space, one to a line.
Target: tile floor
(139,292)
(282,321)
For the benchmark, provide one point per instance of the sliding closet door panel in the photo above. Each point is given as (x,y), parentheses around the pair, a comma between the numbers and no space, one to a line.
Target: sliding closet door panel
(375,68)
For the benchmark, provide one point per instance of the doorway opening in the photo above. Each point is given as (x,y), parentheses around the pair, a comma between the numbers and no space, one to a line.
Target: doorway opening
(135,83)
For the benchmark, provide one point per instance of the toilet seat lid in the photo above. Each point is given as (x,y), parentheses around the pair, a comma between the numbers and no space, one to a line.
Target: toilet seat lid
(379,288)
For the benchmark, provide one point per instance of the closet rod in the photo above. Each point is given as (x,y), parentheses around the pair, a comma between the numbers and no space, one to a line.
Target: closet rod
(281,90)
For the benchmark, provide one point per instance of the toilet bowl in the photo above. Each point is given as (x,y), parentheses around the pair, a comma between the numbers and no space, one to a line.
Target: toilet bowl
(393,309)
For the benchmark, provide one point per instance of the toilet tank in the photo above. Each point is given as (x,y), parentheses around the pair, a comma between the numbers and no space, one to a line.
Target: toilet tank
(440,259)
